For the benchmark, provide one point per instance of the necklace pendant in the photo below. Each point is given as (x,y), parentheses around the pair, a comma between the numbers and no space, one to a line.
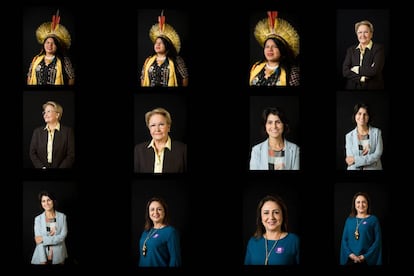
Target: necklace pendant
(356,235)
(266,261)
(144,250)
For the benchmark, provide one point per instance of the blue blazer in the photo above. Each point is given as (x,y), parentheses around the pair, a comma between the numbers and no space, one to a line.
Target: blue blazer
(370,161)
(259,156)
(56,242)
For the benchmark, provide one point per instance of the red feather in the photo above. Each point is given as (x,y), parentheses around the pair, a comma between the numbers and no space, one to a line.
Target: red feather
(161,21)
(55,20)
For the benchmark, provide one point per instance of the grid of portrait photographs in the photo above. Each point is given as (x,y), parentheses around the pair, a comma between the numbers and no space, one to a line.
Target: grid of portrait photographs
(172,139)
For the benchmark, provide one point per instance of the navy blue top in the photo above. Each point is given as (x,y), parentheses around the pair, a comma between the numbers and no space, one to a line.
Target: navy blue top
(286,251)
(163,248)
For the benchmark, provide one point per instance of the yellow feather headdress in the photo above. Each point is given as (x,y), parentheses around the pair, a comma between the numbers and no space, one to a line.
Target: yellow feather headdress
(55,29)
(272,26)
(162,29)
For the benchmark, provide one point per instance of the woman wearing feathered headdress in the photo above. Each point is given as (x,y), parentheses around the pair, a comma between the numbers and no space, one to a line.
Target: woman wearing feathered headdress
(52,66)
(281,46)
(165,67)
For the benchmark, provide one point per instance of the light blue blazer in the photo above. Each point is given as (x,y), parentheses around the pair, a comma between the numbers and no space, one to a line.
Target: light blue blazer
(56,242)
(370,161)
(259,157)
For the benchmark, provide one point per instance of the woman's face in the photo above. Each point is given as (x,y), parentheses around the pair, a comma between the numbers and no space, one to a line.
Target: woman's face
(156,212)
(362,117)
(50,115)
(272,217)
(274,126)
(47,203)
(364,34)
(50,46)
(158,127)
(271,51)
(159,46)
(361,205)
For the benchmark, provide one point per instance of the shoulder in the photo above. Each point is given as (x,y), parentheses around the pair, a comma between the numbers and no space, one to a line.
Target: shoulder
(63,215)
(257,63)
(351,132)
(142,145)
(65,127)
(349,219)
(293,236)
(171,230)
(148,58)
(178,144)
(291,144)
(377,46)
(39,129)
(373,217)
(254,240)
(39,215)
(261,144)
(179,58)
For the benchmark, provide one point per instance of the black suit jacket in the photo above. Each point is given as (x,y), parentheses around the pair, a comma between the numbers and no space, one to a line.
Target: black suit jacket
(372,66)
(63,155)
(175,160)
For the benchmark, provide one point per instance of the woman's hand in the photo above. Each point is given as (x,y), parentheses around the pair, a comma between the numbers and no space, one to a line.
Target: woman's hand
(350,160)
(38,239)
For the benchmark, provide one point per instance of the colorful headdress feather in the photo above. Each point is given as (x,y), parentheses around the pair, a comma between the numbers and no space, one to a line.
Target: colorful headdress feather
(55,29)
(162,29)
(273,26)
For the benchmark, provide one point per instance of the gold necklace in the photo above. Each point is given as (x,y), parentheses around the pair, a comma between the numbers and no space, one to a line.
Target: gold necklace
(269,252)
(356,234)
(149,235)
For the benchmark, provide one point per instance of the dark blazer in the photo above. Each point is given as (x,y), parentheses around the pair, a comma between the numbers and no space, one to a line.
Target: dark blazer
(175,160)
(63,155)
(372,66)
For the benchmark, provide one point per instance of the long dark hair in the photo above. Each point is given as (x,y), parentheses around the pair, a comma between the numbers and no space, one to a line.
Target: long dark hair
(353,212)
(148,222)
(260,229)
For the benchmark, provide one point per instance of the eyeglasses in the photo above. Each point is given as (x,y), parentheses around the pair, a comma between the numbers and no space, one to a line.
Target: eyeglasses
(48,112)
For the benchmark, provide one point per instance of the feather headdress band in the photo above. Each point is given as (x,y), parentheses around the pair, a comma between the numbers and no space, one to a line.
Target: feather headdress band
(53,29)
(272,26)
(162,29)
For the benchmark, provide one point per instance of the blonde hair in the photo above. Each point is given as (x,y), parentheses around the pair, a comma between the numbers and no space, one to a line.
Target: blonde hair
(158,110)
(58,108)
(366,23)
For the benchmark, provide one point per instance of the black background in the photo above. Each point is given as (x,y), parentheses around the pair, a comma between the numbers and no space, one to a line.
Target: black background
(105,52)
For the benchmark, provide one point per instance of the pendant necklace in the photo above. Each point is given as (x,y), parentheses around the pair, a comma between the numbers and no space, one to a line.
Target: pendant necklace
(267,254)
(356,234)
(144,246)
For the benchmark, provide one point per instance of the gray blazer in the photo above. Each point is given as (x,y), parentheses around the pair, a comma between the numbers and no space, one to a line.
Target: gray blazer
(259,156)
(370,161)
(56,242)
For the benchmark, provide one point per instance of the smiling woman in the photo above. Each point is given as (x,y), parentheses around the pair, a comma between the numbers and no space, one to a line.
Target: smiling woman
(52,66)
(276,152)
(159,243)
(361,242)
(271,243)
(52,145)
(161,154)
(50,230)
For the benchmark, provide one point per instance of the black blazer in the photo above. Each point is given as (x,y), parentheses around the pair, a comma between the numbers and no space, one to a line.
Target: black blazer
(175,160)
(63,155)
(372,66)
